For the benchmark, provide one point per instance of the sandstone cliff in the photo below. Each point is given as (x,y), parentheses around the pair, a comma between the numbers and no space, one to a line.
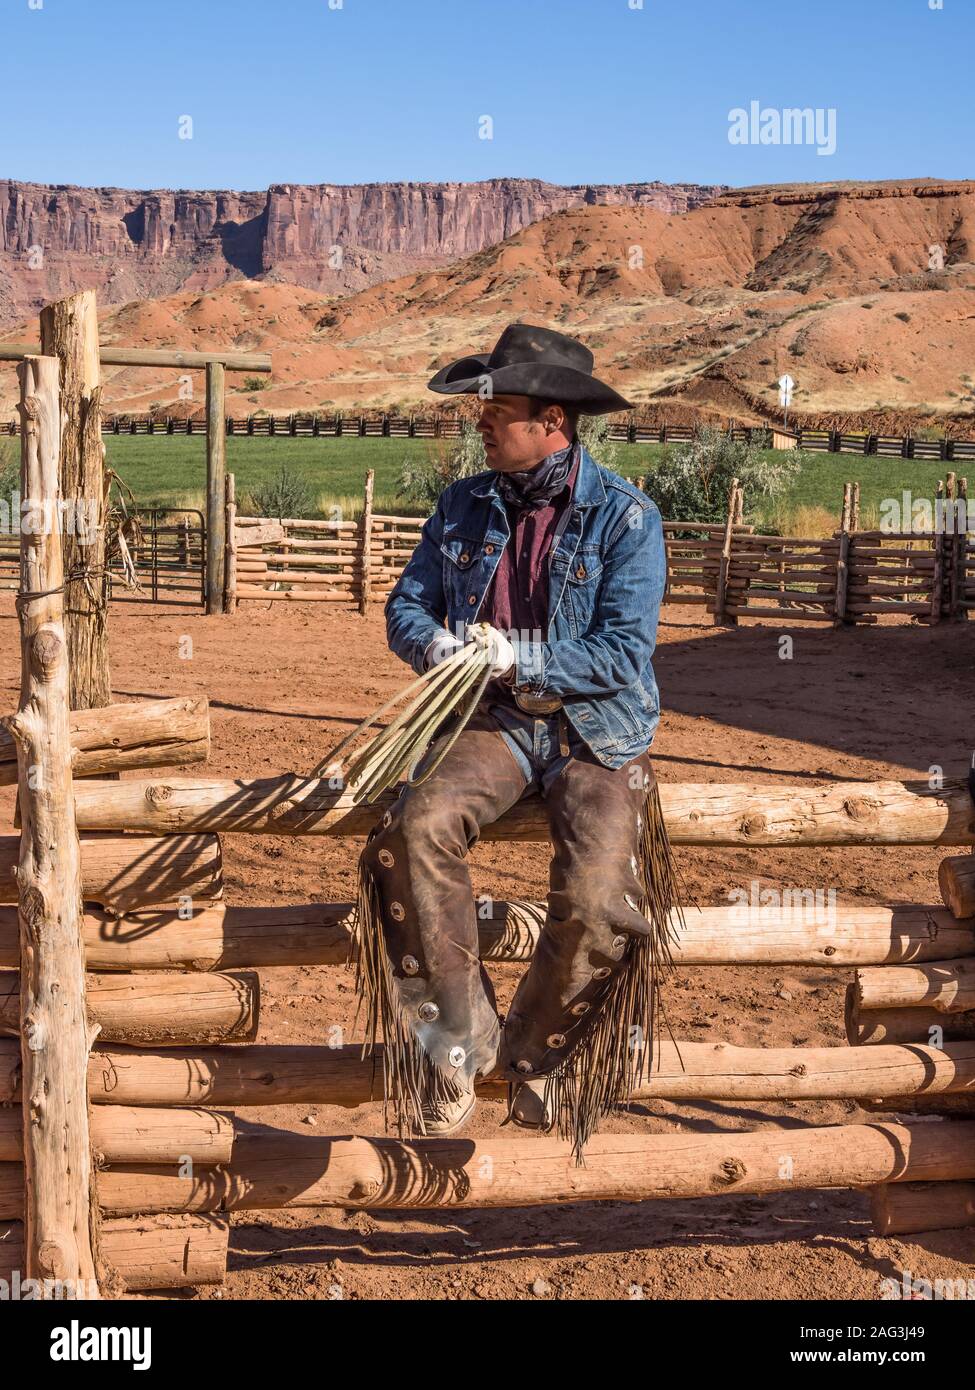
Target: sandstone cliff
(140,245)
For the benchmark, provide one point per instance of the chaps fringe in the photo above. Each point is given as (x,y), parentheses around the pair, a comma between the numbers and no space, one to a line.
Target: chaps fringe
(412,1081)
(610,1061)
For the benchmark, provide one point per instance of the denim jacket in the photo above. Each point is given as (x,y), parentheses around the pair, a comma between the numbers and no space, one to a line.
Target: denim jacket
(607,576)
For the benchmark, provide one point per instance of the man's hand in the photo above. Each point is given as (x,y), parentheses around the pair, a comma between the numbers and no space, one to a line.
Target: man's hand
(500,651)
(442,646)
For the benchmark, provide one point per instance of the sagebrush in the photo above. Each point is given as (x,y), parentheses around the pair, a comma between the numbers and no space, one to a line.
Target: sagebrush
(693,481)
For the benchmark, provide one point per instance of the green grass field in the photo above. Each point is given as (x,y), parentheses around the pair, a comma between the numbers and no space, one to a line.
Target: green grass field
(171,471)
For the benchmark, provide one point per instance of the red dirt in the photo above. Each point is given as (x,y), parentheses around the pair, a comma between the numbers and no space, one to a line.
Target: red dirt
(886,702)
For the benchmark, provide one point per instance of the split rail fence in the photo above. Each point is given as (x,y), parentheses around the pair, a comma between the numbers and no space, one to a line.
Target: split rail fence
(733,572)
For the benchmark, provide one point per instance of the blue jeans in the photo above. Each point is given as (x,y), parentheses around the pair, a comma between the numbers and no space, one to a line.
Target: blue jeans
(534,740)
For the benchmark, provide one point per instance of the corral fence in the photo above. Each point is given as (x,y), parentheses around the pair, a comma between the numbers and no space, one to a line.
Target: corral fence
(167,546)
(729,569)
(357,426)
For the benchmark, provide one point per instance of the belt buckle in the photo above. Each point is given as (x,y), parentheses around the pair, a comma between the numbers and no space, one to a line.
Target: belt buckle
(537,704)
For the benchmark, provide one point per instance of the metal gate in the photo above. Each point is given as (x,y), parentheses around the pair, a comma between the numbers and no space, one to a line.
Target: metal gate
(169,552)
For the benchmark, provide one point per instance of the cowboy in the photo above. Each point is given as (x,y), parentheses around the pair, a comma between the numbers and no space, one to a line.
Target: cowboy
(560,562)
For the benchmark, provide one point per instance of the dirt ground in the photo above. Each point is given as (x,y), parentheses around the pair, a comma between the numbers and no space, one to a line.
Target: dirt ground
(891,701)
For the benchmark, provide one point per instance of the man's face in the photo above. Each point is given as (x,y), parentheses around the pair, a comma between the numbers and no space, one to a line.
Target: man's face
(512,440)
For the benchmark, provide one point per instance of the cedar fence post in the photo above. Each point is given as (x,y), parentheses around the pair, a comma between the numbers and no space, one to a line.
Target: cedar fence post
(55,1039)
(724,561)
(230,569)
(959,611)
(843,557)
(69,332)
(365,542)
(216,485)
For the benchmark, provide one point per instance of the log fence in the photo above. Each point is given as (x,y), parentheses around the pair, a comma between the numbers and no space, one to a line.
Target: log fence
(176,997)
(853,577)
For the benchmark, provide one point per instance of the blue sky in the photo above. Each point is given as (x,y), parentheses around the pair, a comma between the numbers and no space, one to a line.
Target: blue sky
(579,91)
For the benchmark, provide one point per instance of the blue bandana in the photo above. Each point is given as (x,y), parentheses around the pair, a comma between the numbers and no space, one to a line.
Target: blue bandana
(533,488)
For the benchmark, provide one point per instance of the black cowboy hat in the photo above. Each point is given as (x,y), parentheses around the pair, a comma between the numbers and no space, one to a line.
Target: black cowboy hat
(530,361)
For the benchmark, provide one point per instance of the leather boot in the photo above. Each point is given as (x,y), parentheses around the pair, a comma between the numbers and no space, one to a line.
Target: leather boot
(584,1014)
(419,968)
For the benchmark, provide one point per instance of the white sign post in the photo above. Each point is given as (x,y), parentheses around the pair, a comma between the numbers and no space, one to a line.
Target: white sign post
(785,395)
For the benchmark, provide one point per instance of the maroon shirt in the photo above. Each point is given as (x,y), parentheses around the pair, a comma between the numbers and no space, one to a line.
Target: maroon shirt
(518,596)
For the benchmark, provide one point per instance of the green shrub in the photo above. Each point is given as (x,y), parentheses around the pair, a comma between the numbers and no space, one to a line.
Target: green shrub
(693,481)
(9,467)
(594,434)
(284,495)
(423,480)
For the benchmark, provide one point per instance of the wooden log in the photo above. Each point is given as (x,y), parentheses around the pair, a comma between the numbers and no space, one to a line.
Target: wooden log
(163,1009)
(261,534)
(69,332)
(724,562)
(955,1106)
(273,1169)
(139,1134)
(219,938)
(301,523)
(55,1043)
(343,575)
(295,595)
(900,1209)
(155,357)
(937,581)
(216,412)
(842,581)
(895,608)
(323,1075)
(123,872)
(956,879)
(943,986)
(230,563)
(365,542)
(147,1252)
(903,1026)
(794,614)
(708,813)
(165,938)
(150,733)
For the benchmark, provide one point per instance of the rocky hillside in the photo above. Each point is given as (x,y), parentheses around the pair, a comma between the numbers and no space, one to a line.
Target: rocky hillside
(141,245)
(864,294)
